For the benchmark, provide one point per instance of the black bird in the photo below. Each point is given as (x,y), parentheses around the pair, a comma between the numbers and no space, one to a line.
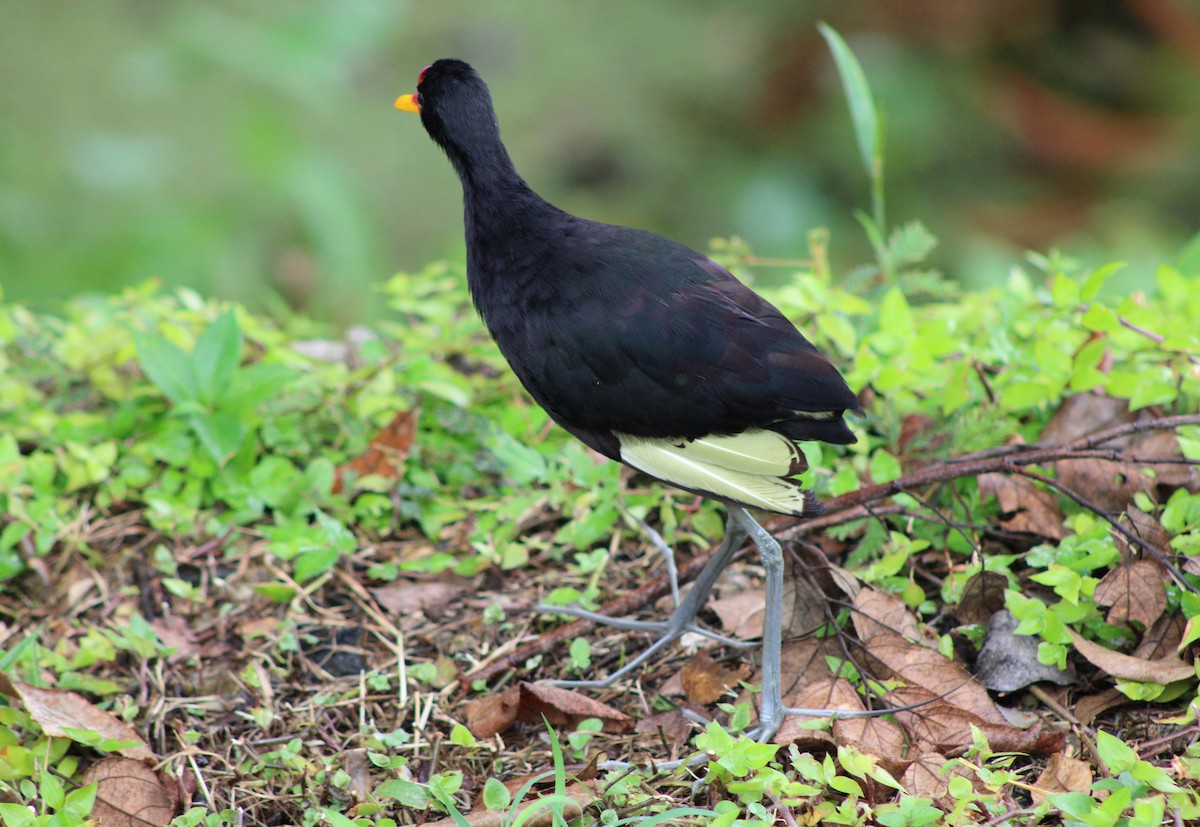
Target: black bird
(644,349)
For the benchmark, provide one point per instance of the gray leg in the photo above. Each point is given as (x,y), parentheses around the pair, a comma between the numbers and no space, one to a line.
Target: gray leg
(682,619)
(771,709)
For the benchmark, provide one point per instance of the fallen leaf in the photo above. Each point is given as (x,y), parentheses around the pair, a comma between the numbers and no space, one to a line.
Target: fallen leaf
(982,597)
(385,455)
(130,794)
(1163,638)
(675,728)
(878,612)
(407,597)
(826,693)
(531,702)
(1113,485)
(59,710)
(564,707)
(741,614)
(1062,774)
(928,671)
(1089,707)
(358,771)
(936,726)
(1024,507)
(928,777)
(492,714)
(803,607)
(705,681)
(1129,668)
(1136,591)
(1147,528)
(879,737)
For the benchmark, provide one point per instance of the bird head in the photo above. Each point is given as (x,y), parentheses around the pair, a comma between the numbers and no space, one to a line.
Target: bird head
(455,108)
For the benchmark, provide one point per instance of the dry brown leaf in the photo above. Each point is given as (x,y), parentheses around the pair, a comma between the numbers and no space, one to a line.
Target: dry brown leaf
(874,736)
(982,596)
(531,702)
(564,707)
(1107,485)
(492,714)
(1148,529)
(1112,485)
(1163,638)
(57,710)
(879,612)
(741,614)
(358,769)
(1032,510)
(173,631)
(1082,414)
(674,727)
(1130,668)
(1165,445)
(130,794)
(407,597)
(825,693)
(705,681)
(386,455)
(927,776)
(928,670)
(936,726)
(1088,708)
(1062,775)
(1135,590)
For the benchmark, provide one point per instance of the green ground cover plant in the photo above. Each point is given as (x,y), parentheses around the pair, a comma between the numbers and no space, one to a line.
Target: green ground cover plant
(250,573)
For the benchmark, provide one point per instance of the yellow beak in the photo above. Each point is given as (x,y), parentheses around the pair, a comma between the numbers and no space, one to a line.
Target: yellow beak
(408,103)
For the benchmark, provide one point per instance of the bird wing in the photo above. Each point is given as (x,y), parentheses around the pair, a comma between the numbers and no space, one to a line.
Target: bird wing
(685,350)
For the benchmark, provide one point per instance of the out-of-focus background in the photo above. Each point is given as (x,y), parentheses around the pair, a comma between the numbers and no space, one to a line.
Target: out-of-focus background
(251,150)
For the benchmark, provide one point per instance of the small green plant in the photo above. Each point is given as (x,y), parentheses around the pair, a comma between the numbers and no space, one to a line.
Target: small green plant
(209,388)
(49,804)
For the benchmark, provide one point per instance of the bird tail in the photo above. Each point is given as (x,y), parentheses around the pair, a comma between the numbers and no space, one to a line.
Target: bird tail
(753,468)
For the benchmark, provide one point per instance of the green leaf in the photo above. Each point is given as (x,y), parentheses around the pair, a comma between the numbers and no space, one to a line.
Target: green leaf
(1093,283)
(221,434)
(1064,290)
(1020,395)
(217,356)
(895,315)
(495,795)
(884,467)
(167,366)
(1189,257)
(863,111)
(278,592)
(461,736)
(1101,319)
(337,819)
(1117,755)
(1075,805)
(51,790)
(17,815)
(407,793)
(911,243)
(252,385)
(957,391)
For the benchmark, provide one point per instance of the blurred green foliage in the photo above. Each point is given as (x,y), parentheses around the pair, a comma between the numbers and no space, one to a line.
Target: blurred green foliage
(251,151)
